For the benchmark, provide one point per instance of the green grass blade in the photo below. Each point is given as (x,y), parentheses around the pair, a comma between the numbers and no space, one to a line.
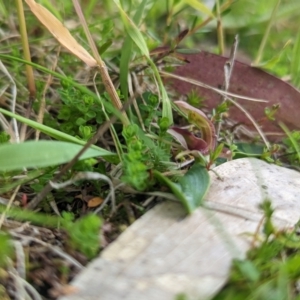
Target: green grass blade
(133,31)
(126,53)
(295,62)
(140,42)
(290,136)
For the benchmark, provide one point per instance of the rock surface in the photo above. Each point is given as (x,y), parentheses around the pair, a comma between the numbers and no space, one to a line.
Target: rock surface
(165,253)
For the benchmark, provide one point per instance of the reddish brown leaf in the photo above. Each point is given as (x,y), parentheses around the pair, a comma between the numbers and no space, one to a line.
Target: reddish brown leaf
(188,140)
(245,80)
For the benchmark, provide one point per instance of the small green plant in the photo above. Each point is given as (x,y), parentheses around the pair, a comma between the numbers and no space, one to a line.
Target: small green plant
(148,108)
(84,233)
(4,137)
(137,160)
(195,100)
(271,270)
(79,114)
(291,147)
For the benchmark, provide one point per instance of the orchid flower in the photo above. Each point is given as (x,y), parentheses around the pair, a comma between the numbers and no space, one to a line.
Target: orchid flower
(186,138)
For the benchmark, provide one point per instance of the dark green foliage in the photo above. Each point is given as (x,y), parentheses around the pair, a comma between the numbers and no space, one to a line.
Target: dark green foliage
(148,108)
(135,168)
(4,137)
(79,114)
(144,153)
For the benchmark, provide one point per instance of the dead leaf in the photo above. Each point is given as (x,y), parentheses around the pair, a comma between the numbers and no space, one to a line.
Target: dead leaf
(94,202)
(245,80)
(60,32)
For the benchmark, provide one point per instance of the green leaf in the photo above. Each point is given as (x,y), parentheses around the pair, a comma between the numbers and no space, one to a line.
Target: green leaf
(248,269)
(35,154)
(111,157)
(191,188)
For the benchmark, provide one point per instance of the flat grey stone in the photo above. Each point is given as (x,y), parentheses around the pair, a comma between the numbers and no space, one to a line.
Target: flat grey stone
(165,252)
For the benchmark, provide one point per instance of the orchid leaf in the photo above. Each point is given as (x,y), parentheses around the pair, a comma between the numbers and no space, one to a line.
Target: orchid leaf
(191,188)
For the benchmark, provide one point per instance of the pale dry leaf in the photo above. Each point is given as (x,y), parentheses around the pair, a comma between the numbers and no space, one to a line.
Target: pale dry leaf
(60,32)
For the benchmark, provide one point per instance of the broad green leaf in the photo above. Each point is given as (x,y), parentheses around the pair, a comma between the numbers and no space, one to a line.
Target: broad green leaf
(111,157)
(248,150)
(36,154)
(34,217)
(6,248)
(191,188)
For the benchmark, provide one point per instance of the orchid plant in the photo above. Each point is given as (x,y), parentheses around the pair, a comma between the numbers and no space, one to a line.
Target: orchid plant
(204,146)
